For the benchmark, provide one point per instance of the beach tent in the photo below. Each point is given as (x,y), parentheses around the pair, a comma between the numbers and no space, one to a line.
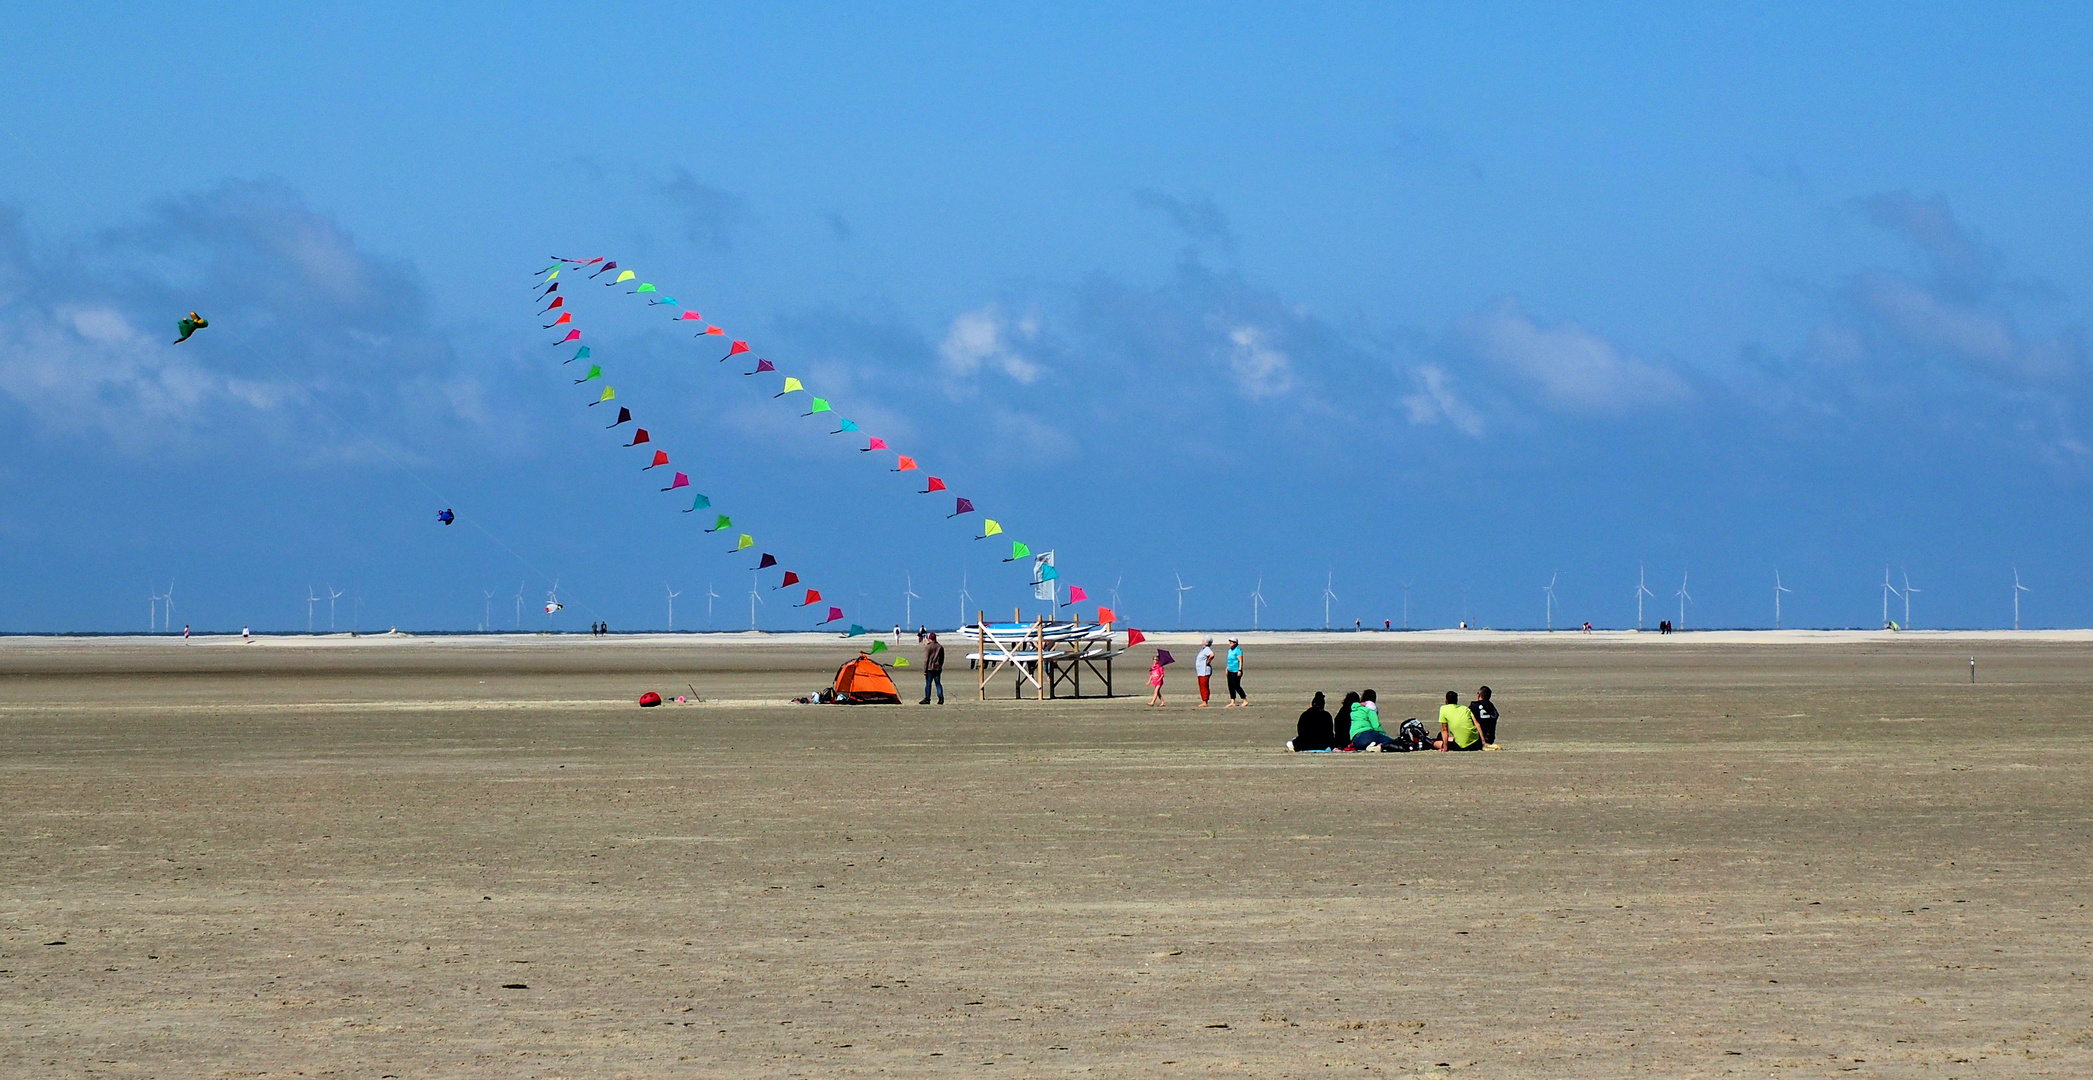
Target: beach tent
(862,681)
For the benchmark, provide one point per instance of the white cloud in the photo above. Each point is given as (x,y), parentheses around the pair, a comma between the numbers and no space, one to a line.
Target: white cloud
(984,337)
(1575,368)
(1435,400)
(1926,319)
(1261,370)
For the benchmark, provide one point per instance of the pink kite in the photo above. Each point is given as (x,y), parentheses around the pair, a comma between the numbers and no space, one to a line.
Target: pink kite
(965,507)
(834,613)
(1076,595)
(908,464)
(691,316)
(661,457)
(639,437)
(876,444)
(680,481)
(935,485)
(572,335)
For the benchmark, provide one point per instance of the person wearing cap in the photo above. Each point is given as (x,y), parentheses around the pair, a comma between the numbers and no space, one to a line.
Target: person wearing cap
(1203,666)
(1235,675)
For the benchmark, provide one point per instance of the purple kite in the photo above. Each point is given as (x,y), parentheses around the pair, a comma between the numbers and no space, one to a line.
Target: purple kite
(966,506)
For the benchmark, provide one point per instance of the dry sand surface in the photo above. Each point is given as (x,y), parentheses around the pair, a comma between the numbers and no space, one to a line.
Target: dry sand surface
(421,858)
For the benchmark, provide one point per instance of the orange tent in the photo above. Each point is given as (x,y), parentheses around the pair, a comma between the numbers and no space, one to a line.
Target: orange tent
(864,682)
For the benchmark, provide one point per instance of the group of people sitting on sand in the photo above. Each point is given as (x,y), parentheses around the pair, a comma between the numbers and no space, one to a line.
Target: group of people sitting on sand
(1356,726)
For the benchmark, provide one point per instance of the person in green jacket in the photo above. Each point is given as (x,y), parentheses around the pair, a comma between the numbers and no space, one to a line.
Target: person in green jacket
(1457,730)
(1366,726)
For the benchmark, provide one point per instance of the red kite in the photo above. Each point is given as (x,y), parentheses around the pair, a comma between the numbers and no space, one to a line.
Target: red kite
(639,437)
(735,349)
(791,579)
(661,457)
(813,597)
(565,317)
(935,485)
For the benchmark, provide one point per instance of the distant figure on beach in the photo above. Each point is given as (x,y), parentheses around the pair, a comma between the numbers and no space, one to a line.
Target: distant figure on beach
(1235,674)
(920,631)
(1366,725)
(1664,626)
(1203,667)
(1387,624)
(185,631)
(1155,680)
(1587,626)
(1457,730)
(1357,626)
(1314,731)
(933,671)
(1485,712)
(244,635)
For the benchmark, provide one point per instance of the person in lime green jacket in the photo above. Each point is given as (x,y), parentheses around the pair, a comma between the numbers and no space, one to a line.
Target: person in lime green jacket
(1457,730)
(1366,725)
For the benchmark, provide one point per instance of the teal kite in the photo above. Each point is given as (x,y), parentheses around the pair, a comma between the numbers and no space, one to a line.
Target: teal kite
(190,325)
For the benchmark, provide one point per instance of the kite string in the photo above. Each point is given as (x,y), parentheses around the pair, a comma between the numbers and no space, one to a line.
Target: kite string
(313,397)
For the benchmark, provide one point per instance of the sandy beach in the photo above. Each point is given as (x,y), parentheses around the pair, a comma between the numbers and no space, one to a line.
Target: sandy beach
(1803,853)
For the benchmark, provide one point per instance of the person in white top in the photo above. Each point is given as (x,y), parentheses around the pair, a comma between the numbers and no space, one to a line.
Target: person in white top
(1203,666)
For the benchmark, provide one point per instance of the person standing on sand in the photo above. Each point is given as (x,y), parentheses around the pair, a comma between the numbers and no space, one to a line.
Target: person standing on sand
(933,670)
(1485,713)
(1203,666)
(1155,679)
(185,631)
(244,635)
(1235,674)
(1457,730)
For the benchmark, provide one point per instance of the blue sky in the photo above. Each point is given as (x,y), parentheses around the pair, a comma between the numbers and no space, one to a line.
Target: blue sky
(1464,296)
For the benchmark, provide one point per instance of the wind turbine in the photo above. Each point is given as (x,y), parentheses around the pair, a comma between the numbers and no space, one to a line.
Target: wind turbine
(519,607)
(1887,589)
(1182,589)
(1684,596)
(552,603)
(152,609)
(965,596)
(2018,588)
(1328,580)
(755,597)
(311,598)
(487,611)
(332,596)
(167,608)
(673,594)
(1642,589)
(1114,590)
(908,599)
(1549,591)
(1257,599)
(1778,589)
(1908,590)
(710,596)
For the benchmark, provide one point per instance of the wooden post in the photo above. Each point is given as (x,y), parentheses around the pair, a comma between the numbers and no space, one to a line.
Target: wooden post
(981,650)
(1040,667)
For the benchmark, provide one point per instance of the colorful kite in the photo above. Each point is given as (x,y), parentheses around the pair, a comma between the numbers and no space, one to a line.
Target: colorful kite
(813,597)
(572,335)
(848,425)
(679,482)
(876,443)
(724,522)
(661,457)
(935,485)
(834,614)
(965,506)
(1134,637)
(820,406)
(762,366)
(608,393)
(565,317)
(624,417)
(791,384)
(595,372)
(579,354)
(639,435)
(745,543)
(769,560)
(557,301)
(735,349)
(990,527)
(190,325)
(791,579)
(697,504)
(908,464)
(446,516)
(621,279)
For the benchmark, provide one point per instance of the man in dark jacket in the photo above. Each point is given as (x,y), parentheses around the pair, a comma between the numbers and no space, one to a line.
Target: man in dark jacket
(933,671)
(1314,731)
(1485,712)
